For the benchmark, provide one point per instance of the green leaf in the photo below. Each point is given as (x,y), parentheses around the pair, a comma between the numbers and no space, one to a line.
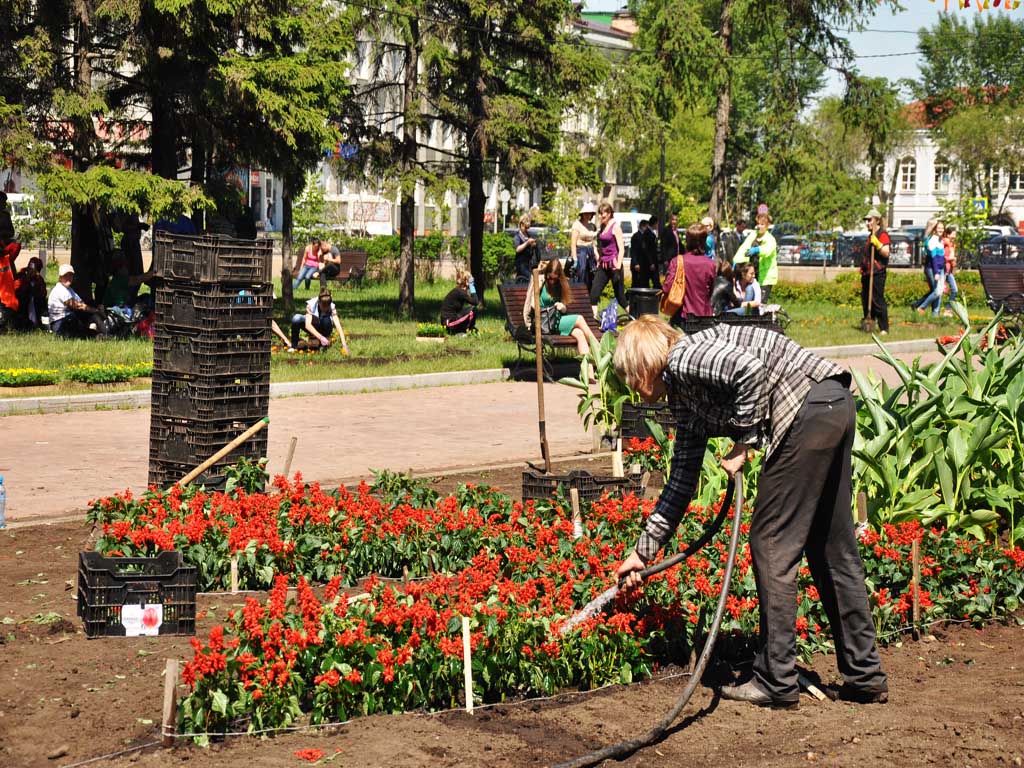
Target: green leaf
(220,702)
(945,473)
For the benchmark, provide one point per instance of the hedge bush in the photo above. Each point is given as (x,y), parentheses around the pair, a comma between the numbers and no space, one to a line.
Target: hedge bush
(901,288)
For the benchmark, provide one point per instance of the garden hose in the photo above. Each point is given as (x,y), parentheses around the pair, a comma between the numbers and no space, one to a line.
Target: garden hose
(628,747)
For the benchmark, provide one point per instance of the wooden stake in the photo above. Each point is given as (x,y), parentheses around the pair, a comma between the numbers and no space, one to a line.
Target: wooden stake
(169,721)
(810,687)
(544,451)
(915,585)
(617,468)
(234,574)
(862,508)
(291,455)
(467,664)
(577,518)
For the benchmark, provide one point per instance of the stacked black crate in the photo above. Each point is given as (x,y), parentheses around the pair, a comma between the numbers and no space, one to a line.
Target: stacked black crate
(211,353)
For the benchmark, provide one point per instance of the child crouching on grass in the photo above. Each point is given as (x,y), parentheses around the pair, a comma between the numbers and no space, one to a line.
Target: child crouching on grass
(457,310)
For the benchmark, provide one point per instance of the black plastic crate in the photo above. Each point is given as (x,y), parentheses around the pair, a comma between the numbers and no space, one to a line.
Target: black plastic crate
(188,396)
(634,419)
(194,440)
(694,324)
(213,308)
(212,353)
(537,485)
(212,259)
(107,586)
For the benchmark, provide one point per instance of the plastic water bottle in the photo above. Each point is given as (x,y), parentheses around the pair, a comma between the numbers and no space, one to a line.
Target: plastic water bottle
(3,504)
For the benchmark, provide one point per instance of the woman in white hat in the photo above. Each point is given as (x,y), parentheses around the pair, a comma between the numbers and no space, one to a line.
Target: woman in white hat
(581,245)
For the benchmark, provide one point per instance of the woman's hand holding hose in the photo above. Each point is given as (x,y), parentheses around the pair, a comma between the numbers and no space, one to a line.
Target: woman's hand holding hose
(629,571)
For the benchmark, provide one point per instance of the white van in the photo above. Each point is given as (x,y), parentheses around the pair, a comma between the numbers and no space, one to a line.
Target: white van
(22,208)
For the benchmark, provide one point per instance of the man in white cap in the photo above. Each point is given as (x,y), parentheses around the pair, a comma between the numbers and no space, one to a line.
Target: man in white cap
(69,314)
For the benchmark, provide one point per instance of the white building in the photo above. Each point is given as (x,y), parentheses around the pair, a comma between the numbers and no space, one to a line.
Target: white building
(925,180)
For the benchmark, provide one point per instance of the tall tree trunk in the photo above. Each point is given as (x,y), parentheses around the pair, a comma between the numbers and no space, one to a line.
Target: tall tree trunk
(407,205)
(716,208)
(83,232)
(286,245)
(475,150)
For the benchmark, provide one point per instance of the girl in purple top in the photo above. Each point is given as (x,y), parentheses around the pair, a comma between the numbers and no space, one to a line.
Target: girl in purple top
(609,258)
(935,252)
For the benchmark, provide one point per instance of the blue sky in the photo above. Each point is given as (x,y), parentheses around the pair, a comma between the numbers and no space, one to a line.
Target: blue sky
(902,37)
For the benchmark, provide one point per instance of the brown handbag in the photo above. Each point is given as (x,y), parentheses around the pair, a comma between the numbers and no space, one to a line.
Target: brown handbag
(672,300)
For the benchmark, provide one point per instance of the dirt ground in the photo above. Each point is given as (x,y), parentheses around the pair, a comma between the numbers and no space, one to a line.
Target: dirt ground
(957,697)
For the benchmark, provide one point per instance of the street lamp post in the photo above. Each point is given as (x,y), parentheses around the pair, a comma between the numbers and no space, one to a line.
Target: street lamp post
(504,196)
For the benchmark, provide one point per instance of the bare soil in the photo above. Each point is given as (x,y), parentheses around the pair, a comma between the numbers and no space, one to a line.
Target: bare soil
(957,696)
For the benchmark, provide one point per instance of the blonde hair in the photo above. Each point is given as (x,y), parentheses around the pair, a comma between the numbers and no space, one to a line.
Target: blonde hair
(642,349)
(525,220)
(462,277)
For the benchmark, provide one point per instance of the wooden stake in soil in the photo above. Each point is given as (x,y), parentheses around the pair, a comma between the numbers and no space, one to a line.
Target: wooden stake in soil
(617,468)
(234,574)
(291,454)
(540,374)
(169,721)
(467,664)
(915,585)
(862,508)
(577,518)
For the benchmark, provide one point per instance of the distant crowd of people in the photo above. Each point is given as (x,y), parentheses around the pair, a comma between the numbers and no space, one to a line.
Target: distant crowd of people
(724,271)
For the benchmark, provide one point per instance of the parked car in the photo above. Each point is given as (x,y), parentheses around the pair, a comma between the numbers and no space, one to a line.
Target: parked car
(901,249)
(819,250)
(849,249)
(997,249)
(790,248)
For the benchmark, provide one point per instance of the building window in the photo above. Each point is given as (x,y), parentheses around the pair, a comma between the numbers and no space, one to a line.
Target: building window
(995,179)
(1017,180)
(908,174)
(942,172)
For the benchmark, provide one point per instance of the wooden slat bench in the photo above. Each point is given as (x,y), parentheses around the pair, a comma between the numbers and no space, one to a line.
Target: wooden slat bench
(513,297)
(353,267)
(1004,286)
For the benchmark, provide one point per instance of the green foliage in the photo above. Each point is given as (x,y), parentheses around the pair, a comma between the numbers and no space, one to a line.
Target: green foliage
(970,226)
(309,212)
(944,445)
(106,373)
(499,255)
(981,139)
(433,330)
(967,63)
(601,409)
(129,191)
(901,288)
(27,377)
(247,475)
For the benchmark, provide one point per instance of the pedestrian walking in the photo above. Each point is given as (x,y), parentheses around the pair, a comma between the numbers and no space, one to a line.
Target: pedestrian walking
(935,252)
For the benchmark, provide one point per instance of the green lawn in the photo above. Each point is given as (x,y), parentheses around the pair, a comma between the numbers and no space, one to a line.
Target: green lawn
(383,344)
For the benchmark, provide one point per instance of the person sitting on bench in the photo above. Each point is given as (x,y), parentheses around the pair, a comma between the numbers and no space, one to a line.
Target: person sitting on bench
(319,321)
(456,317)
(330,258)
(554,320)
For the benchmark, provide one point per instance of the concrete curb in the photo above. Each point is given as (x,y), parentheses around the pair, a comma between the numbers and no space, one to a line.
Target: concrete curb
(140,398)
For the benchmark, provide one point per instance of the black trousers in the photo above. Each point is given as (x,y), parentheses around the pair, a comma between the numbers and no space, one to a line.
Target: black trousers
(601,279)
(329,272)
(803,506)
(645,277)
(879,309)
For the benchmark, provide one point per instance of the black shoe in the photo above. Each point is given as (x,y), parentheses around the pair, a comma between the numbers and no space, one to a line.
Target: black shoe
(752,693)
(856,695)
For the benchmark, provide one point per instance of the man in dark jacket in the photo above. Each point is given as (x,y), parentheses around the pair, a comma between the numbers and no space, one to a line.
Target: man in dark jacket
(670,245)
(643,257)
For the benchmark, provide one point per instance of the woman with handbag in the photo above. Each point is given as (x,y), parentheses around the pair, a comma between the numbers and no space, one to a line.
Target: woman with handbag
(581,245)
(554,321)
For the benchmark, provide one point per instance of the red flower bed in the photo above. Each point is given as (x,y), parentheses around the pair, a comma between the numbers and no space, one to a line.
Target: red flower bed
(513,569)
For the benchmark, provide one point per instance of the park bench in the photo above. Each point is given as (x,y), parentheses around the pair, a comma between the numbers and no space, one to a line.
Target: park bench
(353,267)
(1004,286)
(513,297)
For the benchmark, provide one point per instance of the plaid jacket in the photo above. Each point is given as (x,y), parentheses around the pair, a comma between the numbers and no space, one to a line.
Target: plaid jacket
(734,381)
